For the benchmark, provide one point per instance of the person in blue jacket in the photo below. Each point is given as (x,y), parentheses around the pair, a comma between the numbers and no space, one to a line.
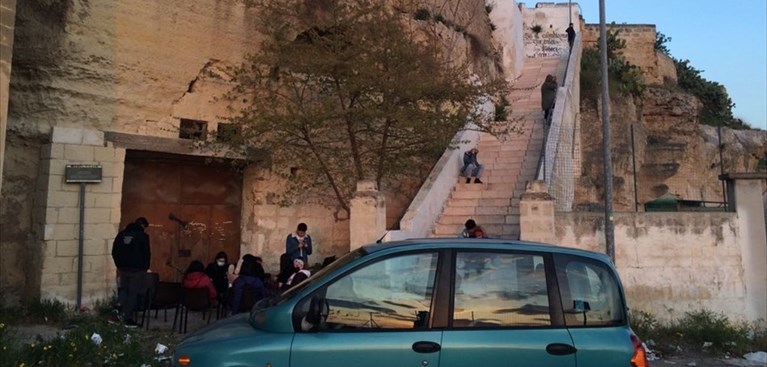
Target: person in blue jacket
(298,245)
(471,167)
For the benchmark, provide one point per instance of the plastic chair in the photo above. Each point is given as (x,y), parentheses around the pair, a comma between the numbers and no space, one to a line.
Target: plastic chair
(167,295)
(192,299)
(146,300)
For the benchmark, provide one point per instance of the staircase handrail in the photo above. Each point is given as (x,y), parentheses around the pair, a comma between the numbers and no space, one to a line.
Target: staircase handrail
(565,97)
(424,210)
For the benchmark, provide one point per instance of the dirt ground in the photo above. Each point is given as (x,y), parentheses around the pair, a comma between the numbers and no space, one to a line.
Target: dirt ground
(691,359)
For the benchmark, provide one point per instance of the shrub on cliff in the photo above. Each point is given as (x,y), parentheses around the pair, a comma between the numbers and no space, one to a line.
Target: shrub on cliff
(623,76)
(717,105)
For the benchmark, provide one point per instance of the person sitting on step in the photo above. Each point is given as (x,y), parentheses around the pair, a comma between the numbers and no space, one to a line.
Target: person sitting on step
(471,167)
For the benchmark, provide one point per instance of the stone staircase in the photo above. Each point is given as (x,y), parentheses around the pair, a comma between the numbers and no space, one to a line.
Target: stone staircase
(509,164)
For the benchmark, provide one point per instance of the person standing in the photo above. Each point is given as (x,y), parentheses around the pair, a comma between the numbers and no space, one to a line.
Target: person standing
(570,36)
(298,245)
(548,96)
(471,167)
(131,254)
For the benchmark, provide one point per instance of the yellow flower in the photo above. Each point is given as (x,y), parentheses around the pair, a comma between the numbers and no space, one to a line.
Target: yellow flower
(2,325)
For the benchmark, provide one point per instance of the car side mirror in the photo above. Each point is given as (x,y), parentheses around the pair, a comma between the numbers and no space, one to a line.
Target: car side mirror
(580,305)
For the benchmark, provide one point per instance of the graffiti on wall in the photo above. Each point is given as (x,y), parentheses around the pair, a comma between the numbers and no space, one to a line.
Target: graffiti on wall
(545,44)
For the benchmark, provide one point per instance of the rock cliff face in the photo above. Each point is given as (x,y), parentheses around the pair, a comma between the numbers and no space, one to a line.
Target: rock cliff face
(138,67)
(671,151)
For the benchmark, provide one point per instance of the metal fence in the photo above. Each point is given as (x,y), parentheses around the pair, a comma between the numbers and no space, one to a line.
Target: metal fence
(652,172)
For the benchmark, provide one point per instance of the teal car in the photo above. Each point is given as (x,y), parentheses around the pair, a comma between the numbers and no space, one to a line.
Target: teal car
(435,303)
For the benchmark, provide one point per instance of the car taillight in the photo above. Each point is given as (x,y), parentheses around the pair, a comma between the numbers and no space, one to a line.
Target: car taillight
(184,360)
(639,359)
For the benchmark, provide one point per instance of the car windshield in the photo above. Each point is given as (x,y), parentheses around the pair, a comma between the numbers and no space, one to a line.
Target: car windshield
(318,276)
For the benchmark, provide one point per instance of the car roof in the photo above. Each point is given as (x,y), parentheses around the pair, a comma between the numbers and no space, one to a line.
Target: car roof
(485,243)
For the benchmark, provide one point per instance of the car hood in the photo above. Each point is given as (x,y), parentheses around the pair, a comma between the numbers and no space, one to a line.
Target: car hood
(231,328)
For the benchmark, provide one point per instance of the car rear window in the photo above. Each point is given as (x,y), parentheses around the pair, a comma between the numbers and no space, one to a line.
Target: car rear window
(590,292)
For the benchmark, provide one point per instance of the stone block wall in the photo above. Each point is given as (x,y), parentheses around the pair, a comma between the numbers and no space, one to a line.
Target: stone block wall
(639,50)
(553,18)
(670,263)
(56,216)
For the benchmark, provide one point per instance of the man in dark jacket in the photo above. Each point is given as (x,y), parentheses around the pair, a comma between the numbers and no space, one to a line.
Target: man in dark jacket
(570,35)
(131,254)
(548,96)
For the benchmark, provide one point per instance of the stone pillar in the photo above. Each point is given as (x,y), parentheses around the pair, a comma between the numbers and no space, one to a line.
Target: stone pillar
(7,22)
(536,214)
(57,213)
(367,220)
(745,196)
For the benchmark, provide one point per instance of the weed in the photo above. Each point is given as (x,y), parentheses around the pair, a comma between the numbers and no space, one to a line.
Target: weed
(536,28)
(698,328)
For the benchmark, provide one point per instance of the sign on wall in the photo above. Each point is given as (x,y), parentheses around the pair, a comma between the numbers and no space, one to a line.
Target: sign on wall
(77,173)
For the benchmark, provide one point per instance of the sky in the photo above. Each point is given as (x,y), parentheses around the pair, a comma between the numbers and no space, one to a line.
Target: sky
(725,39)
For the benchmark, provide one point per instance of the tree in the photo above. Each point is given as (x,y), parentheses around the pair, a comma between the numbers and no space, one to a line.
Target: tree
(345,91)
(661,43)
(717,105)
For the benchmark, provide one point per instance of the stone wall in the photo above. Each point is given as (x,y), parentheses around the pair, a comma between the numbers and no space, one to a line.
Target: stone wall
(56,216)
(670,263)
(553,20)
(639,50)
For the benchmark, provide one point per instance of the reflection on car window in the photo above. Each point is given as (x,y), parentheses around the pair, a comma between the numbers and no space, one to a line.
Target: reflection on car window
(500,290)
(590,294)
(394,293)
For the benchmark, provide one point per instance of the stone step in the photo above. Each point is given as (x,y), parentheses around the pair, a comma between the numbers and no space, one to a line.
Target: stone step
(480,219)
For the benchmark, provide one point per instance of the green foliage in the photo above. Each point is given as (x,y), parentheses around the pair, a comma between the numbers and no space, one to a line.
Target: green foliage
(717,105)
(119,347)
(661,41)
(37,311)
(623,76)
(698,327)
(488,8)
(73,346)
(501,110)
(346,93)
(536,28)
(422,14)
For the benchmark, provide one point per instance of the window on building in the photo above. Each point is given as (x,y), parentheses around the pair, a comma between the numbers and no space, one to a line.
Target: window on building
(193,129)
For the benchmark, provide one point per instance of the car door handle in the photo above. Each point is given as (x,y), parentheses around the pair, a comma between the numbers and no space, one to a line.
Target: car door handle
(426,347)
(559,349)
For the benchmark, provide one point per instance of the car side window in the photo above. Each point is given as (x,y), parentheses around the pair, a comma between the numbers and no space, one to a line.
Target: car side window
(394,293)
(590,293)
(500,290)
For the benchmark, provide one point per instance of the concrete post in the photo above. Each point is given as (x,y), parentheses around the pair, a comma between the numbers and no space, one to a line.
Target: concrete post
(536,213)
(746,198)
(367,220)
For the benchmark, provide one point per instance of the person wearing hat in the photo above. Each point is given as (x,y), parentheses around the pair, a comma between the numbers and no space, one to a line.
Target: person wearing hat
(299,275)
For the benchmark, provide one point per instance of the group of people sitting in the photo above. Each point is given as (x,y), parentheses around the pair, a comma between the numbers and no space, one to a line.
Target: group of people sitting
(227,282)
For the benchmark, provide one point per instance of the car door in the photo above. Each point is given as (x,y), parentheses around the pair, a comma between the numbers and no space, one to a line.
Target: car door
(502,314)
(594,311)
(378,316)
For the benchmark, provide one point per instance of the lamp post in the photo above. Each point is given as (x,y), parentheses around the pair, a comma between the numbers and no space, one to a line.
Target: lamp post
(608,166)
